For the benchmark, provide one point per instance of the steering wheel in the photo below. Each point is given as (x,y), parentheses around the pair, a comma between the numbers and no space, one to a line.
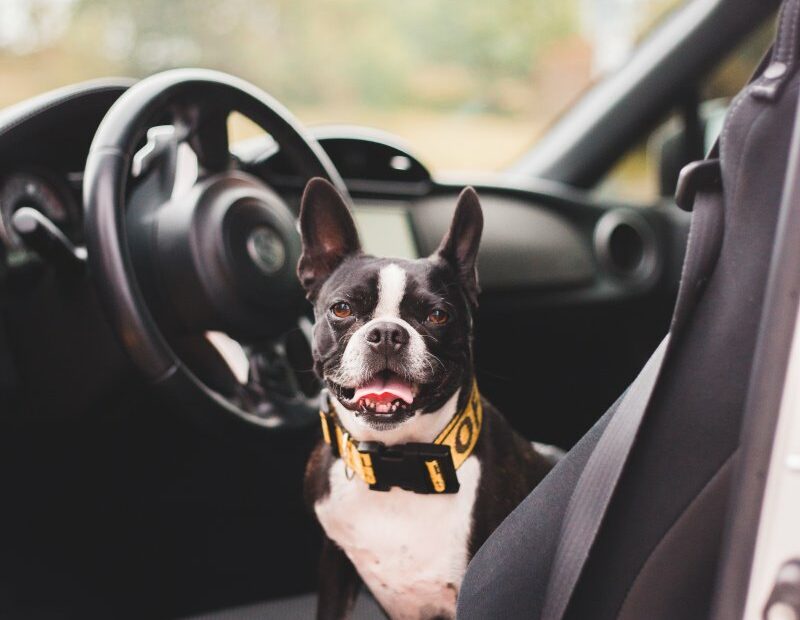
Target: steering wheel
(180,256)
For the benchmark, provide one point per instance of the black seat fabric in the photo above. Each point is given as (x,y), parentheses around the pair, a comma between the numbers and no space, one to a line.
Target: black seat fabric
(656,551)
(294,608)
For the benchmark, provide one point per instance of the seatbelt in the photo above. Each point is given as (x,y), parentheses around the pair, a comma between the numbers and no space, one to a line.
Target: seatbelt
(699,186)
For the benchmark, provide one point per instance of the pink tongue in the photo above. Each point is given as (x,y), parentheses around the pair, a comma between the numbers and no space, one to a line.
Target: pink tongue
(380,389)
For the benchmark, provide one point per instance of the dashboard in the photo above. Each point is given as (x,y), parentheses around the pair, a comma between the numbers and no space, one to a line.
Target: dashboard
(546,242)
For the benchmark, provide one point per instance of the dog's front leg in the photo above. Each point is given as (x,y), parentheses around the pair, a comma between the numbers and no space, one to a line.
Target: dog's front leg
(338,583)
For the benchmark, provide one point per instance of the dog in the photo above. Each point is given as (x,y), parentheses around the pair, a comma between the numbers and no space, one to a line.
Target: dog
(415,468)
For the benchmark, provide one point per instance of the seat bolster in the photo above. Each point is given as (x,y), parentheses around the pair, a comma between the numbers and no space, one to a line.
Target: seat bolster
(681,567)
(507,578)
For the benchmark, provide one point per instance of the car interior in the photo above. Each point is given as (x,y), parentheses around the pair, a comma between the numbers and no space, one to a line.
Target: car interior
(157,403)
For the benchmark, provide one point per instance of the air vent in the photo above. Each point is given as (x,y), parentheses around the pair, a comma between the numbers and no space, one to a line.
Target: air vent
(625,245)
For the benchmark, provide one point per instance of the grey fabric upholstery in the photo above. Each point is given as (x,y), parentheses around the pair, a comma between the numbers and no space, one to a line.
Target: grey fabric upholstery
(502,574)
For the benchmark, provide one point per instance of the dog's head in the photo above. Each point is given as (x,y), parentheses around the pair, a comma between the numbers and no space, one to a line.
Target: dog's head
(392,337)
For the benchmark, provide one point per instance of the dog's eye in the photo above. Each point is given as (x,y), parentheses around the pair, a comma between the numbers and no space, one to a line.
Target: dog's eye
(341,309)
(438,316)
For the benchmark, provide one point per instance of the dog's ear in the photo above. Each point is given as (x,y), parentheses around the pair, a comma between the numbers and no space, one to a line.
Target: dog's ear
(460,245)
(328,233)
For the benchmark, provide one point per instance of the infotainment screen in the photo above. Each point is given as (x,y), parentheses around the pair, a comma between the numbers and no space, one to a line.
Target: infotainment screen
(385,230)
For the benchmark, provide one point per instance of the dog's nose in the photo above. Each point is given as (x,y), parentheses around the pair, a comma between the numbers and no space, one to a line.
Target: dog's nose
(387,336)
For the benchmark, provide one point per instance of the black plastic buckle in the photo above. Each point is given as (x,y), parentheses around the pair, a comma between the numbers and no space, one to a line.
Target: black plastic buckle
(703,175)
(413,467)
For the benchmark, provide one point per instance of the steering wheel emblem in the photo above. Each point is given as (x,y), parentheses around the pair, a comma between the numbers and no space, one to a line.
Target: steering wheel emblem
(266,249)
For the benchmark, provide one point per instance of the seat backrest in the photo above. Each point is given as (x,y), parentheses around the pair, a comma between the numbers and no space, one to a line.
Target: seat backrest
(656,552)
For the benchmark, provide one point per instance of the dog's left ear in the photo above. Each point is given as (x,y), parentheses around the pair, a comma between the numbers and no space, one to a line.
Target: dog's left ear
(328,233)
(460,245)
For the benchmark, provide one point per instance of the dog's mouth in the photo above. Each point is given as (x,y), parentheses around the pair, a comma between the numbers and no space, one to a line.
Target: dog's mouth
(385,393)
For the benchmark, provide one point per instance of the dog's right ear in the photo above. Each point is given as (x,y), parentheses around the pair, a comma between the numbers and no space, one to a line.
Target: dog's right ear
(328,233)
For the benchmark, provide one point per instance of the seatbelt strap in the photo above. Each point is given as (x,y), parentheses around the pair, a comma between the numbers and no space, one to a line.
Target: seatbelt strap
(595,487)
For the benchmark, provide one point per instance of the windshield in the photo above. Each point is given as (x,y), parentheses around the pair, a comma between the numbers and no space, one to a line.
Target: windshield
(469,85)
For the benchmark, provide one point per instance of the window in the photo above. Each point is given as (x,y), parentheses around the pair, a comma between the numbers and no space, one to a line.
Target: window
(469,84)
(637,176)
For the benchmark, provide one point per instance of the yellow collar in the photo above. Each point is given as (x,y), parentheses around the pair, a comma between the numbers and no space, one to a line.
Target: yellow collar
(418,467)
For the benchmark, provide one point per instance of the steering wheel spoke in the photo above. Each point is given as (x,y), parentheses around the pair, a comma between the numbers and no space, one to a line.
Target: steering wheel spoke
(261,378)
(204,127)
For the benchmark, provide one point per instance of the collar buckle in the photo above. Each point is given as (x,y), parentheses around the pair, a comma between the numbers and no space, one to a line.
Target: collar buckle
(418,467)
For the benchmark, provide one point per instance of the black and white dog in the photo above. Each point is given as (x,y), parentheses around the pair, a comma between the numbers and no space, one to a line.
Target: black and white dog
(416,469)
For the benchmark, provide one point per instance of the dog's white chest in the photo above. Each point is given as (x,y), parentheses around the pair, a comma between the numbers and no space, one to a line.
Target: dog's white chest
(410,549)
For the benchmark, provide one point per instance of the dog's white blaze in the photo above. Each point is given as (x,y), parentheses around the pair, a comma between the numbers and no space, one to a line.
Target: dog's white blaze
(410,549)
(391,288)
